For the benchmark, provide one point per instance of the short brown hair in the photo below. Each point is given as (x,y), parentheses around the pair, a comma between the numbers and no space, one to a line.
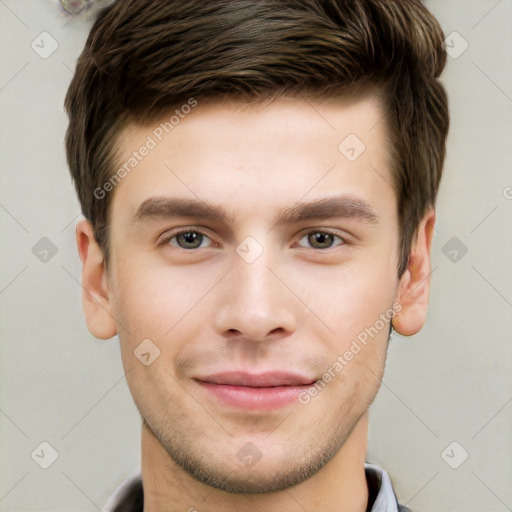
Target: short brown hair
(144,56)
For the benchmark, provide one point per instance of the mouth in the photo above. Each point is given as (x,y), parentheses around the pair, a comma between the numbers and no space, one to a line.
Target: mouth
(263,391)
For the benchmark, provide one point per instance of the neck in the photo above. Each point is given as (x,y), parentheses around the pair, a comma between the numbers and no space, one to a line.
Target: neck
(340,486)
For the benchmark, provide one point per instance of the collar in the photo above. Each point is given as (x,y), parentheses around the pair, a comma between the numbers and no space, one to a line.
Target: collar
(379,483)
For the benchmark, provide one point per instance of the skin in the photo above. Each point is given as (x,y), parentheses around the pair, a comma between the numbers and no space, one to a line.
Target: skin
(297,307)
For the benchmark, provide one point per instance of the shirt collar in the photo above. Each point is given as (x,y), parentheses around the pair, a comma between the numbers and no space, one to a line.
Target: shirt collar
(386,499)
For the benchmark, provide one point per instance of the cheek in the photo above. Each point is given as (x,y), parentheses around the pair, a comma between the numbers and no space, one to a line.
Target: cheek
(349,299)
(166,305)
(150,301)
(357,308)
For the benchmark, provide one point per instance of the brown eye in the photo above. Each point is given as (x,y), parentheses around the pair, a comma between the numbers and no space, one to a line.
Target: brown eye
(321,240)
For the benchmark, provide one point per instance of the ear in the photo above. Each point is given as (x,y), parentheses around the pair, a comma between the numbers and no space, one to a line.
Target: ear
(95,289)
(414,285)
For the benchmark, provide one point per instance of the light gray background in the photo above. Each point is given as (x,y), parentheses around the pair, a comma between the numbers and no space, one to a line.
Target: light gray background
(450,383)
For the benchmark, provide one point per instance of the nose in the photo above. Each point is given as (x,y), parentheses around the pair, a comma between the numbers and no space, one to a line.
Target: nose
(255,304)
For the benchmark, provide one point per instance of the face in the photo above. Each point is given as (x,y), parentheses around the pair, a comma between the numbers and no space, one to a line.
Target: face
(252,252)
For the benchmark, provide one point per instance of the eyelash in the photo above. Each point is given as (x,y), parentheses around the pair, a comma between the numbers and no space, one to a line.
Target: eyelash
(168,239)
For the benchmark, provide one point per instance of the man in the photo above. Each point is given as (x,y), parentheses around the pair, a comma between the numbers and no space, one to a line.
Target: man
(258,181)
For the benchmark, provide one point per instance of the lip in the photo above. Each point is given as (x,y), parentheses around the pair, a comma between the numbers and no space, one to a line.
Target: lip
(258,380)
(263,391)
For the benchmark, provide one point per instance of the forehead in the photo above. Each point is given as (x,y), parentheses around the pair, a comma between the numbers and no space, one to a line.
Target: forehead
(246,155)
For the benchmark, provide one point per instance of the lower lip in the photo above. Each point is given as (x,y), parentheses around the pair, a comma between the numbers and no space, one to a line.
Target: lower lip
(255,398)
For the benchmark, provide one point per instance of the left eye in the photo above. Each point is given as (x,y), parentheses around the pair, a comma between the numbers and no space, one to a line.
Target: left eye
(320,240)
(189,240)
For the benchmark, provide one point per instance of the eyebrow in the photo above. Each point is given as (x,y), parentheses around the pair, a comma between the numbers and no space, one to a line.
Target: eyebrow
(345,206)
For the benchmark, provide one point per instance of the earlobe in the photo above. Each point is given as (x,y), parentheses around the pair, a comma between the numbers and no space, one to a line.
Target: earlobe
(95,290)
(414,286)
